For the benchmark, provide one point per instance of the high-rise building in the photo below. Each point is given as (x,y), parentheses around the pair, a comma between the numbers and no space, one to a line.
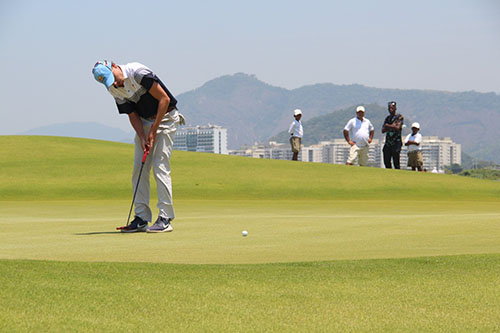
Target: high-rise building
(312,153)
(270,150)
(337,152)
(437,153)
(207,139)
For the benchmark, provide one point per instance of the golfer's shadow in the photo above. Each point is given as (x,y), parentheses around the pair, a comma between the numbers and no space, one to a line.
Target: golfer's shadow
(99,233)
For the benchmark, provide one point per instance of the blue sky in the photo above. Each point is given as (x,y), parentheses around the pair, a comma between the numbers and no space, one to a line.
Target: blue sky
(49,47)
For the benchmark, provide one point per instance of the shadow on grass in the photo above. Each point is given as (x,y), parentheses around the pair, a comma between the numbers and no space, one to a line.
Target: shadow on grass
(101,233)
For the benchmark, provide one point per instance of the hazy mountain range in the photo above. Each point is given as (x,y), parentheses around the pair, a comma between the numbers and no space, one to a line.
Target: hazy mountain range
(254,111)
(90,130)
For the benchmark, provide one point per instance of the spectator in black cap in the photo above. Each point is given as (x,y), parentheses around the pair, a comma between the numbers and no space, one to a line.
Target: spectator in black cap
(393,124)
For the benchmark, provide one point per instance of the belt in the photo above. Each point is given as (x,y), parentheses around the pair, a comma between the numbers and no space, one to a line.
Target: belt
(170,109)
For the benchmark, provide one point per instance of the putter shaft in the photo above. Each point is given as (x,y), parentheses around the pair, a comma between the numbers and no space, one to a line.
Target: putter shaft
(137,184)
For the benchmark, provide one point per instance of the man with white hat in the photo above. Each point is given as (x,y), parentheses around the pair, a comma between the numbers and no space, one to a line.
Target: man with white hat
(358,132)
(153,114)
(297,132)
(412,141)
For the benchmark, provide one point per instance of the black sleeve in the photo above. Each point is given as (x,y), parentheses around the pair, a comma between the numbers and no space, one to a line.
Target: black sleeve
(148,80)
(126,108)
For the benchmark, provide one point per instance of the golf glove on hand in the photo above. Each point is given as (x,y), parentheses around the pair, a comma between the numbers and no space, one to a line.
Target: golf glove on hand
(182,120)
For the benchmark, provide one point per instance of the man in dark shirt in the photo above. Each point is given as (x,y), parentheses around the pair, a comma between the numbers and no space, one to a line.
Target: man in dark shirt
(393,124)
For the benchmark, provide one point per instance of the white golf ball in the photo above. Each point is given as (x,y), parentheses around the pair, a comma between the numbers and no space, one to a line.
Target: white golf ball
(244,233)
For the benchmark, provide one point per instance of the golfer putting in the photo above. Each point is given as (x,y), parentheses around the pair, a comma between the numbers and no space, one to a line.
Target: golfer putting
(153,114)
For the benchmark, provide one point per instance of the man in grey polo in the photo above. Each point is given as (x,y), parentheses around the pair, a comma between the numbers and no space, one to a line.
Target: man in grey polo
(153,114)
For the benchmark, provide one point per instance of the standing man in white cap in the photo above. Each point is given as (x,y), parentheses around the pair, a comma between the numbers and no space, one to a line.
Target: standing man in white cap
(297,132)
(152,112)
(358,132)
(412,141)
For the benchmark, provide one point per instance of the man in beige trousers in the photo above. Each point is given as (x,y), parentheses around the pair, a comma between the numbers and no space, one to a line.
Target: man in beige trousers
(153,114)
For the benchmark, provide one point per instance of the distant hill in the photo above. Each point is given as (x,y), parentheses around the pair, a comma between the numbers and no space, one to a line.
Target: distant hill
(91,130)
(255,111)
(251,110)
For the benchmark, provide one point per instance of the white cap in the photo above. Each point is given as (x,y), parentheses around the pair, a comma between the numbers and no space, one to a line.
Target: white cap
(416,125)
(296,112)
(360,108)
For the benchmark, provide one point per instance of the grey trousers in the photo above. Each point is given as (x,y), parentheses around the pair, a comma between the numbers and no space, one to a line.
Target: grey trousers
(159,160)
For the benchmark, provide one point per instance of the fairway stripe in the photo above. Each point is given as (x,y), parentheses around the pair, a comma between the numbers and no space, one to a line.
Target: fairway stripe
(232,216)
(338,216)
(56,220)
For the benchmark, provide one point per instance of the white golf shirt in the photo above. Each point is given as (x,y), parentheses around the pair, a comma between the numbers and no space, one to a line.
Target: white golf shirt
(416,138)
(296,129)
(359,131)
(134,96)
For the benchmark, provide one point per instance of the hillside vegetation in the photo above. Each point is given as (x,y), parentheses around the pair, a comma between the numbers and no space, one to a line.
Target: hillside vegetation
(54,168)
(255,111)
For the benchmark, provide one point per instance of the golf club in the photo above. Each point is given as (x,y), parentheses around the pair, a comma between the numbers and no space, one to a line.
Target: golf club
(135,192)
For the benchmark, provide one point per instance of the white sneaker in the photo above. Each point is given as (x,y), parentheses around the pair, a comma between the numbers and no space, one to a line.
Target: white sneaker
(161,225)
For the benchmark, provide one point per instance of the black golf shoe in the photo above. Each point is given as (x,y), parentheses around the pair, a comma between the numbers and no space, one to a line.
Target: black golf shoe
(137,225)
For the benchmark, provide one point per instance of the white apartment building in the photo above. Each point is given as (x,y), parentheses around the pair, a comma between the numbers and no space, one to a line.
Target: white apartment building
(270,150)
(437,153)
(312,153)
(337,152)
(207,139)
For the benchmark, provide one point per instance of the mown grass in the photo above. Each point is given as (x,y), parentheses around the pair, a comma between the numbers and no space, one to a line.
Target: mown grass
(330,247)
(458,294)
(53,168)
(209,231)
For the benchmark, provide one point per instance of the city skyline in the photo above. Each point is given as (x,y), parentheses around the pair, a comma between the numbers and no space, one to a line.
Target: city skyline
(438,152)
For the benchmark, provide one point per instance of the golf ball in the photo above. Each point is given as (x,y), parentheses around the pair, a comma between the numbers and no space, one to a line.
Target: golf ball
(244,233)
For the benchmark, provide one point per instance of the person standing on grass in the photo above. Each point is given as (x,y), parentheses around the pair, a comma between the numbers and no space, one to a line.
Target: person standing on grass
(297,132)
(358,132)
(393,124)
(412,141)
(153,114)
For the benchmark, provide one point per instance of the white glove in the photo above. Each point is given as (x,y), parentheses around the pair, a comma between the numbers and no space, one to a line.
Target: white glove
(182,120)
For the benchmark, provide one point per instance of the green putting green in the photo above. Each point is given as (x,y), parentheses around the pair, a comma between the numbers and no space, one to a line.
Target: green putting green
(330,247)
(279,231)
